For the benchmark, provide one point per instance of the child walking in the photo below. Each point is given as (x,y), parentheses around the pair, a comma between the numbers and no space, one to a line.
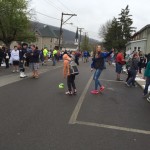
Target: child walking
(70,77)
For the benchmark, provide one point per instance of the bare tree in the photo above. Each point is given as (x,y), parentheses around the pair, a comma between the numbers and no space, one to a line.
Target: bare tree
(103,30)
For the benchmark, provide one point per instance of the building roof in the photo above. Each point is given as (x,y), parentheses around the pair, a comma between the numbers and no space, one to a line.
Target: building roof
(45,30)
(53,31)
(141,30)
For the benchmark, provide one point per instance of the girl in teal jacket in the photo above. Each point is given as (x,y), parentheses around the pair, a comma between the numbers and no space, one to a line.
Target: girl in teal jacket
(147,75)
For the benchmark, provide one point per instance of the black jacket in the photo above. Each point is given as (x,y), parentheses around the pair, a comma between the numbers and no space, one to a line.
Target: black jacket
(1,54)
(34,56)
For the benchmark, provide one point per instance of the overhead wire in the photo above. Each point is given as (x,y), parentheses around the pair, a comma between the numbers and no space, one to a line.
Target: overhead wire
(69,10)
(61,10)
(47,15)
(65,6)
(53,5)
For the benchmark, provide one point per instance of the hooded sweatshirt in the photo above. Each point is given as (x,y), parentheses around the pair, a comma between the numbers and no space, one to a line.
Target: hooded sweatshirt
(66,70)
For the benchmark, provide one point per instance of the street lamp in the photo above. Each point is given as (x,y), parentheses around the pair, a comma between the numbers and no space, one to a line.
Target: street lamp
(69,23)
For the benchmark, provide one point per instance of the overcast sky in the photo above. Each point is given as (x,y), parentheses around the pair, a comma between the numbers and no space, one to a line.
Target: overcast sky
(90,14)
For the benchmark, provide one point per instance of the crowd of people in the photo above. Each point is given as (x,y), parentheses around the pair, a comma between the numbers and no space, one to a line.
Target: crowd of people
(135,63)
(24,55)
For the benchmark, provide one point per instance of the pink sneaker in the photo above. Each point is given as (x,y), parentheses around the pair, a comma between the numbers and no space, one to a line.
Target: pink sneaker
(102,88)
(94,92)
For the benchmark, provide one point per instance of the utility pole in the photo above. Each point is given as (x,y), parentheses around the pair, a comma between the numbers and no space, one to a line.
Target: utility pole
(63,22)
(80,30)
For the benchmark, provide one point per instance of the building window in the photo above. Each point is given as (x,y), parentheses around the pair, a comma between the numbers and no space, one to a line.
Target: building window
(139,48)
(51,40)
(135,48)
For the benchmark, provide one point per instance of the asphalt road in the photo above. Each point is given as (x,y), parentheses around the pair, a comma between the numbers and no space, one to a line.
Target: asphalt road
(36,115)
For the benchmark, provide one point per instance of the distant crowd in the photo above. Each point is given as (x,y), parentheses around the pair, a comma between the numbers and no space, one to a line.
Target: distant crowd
(24,55)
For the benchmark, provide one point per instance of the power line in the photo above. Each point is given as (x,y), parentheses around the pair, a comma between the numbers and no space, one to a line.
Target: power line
(47,15)
(65,6)
(69,10)
(53,5)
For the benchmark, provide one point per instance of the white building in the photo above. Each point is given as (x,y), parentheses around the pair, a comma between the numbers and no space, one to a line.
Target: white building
(140,41)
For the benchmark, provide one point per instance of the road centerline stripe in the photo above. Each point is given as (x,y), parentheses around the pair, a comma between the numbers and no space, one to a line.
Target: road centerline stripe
(112,81)
(79,104)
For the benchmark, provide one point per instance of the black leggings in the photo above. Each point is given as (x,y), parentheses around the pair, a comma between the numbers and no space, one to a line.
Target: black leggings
(21,66)
(0,61)
(70,82)
(7,63)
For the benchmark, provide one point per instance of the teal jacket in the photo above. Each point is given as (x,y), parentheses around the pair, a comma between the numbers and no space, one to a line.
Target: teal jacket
(147,70)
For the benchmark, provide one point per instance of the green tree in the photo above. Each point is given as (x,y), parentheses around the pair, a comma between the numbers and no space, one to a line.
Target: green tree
(85,45)
(113,36)
(14,22)
(119,32)
(126,24)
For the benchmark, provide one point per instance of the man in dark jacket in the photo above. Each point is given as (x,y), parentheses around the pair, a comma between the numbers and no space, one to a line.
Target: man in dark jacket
(1,55)
(133,70)
(22,54)
(34,61)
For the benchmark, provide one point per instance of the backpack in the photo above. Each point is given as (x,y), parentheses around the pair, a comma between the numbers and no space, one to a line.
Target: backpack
(73,68)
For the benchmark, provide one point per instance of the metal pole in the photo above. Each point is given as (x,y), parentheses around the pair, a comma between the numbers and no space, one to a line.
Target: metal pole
(60,32)
(80,30)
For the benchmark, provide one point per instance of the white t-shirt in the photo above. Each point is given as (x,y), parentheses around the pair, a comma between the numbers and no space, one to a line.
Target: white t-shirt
(15,55)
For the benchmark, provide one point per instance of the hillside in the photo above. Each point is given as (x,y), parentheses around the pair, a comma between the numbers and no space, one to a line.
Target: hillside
(68,36)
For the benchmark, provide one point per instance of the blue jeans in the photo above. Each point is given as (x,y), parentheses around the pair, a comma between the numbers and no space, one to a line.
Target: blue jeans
(132,78)
(54,61)
(147,85)
(96,78)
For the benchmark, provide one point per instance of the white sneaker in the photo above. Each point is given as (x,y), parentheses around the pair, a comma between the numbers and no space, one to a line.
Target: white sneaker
(22,75)
(68,93)
(13,71)
(127,84)
(148,99)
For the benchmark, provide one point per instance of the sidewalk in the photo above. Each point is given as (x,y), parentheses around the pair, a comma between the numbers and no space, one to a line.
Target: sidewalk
(139,79)
(7,77)
(8,71)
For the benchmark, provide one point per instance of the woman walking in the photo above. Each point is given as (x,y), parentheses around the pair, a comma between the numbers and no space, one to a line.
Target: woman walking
(98,65)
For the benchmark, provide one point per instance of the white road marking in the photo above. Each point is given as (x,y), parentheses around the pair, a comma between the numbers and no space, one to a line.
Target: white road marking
(111,89)
(112,81)
(113,127)
(79,104)
(73,118)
